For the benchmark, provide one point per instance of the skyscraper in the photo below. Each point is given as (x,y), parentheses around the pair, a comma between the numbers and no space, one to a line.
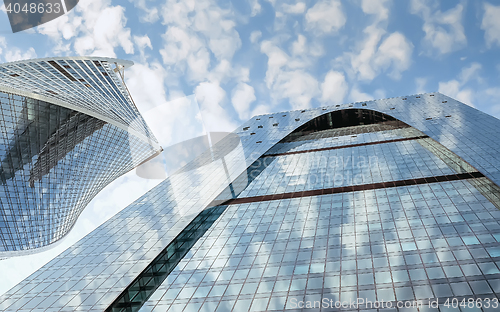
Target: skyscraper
(362,206)
(68,128)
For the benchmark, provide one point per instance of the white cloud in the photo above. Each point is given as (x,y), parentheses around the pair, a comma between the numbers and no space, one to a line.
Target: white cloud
(276,60)
(143,42)
(242,96)
(361,62)
(256,7)
(379,52)
(299,47)
(297,8)
(492,94)
(452,89)
(93,27)
(287,77)
(197,32)
(376,7)
(379,94)
(3,44)
(150,10)
(211,97)
(357,95)
(255,36)
(394,52)
(455,88)
(262,109)
(226,70)
(471,72)
(420,83)
(491,24)
(326,16)
(181,45)
(298,86)
(334,88)
(175,121)
(444,31)
(146,84)
(15,54)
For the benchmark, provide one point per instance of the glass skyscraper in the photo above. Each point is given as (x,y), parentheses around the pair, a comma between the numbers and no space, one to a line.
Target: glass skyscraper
(68,127)
(387,205)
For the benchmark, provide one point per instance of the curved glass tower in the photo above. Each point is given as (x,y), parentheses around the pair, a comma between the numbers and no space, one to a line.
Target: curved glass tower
(387,205)
(68,127)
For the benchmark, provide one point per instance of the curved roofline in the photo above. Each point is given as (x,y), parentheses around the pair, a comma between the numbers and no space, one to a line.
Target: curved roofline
(343,106)
(124,63)
(57,102)
(41,97)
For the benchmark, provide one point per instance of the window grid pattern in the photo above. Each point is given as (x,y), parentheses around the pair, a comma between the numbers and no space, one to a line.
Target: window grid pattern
(53,161)
(147,282)
(393,244)
(419,258)
(87,82)
(351,166)
(330,138)
(91,274)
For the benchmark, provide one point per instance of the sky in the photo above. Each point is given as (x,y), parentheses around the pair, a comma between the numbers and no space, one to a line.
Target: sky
(238,58)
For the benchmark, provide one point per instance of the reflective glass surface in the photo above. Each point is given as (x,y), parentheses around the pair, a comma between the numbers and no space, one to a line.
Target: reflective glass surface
(91,84)
(396,244)
(407,243)
(54,159)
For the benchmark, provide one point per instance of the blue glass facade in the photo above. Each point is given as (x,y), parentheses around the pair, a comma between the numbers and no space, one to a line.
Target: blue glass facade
(68,128)
(392,212)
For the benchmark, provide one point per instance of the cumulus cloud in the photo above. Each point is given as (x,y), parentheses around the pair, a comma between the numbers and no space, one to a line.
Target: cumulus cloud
(326,16)
(175,121)
(356,95)
(15,54)
(3,44)
(378,8)
(421,83)
(334,88)
(471,72)
(379,52)
(197,32)
(242,96)
(297,8)
(395,53)
(211,97)
(492,95)
(444,31)
(150,11)
(143,42)
(255,6)
(491,24)
(298,86)
(261,109)
(146,84)
(93,27)
(286,75)
(255,36)
(452,89)
(455,88)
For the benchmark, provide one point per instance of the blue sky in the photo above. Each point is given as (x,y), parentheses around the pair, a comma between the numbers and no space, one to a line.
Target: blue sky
(246,57)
